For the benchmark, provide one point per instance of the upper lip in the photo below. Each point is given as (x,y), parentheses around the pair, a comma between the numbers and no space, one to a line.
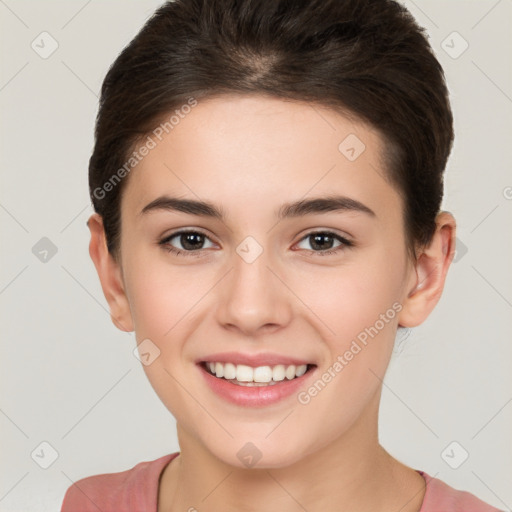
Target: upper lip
(255,360)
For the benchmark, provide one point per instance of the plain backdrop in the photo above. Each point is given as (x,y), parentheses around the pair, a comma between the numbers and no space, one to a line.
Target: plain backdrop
(69,378)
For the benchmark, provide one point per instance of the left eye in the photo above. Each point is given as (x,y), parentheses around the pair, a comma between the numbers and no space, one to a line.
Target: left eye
(324,240)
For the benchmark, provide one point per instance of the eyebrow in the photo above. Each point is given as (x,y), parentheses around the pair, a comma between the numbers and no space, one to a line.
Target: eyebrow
(296,209)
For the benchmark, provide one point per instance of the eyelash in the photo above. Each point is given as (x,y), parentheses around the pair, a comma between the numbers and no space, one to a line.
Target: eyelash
(345,244)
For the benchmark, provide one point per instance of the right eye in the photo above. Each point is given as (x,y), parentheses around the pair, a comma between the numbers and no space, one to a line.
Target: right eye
(189,240)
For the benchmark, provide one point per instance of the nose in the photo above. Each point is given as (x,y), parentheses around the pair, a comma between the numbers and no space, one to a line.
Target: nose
(253,298)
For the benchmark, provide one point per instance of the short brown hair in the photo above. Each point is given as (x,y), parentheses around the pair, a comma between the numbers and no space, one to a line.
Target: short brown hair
(368,58)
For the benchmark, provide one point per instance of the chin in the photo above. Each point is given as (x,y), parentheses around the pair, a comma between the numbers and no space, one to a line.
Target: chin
(258,453)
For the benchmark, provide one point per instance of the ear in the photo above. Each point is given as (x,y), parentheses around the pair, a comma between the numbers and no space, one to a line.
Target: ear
(429,273)
(109,272)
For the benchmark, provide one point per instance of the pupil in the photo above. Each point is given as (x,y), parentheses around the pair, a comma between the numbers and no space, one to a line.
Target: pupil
(316,238)
(187,240)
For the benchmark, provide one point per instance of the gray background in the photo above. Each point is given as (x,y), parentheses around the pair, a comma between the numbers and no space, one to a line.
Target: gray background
(69,377)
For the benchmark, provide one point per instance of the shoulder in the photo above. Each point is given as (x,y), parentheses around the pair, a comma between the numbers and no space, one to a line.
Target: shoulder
(440,497)
(133,490)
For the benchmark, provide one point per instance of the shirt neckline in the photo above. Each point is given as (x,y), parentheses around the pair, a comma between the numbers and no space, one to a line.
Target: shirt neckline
(168,458)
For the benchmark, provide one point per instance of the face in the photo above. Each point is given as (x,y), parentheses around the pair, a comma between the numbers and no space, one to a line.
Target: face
(318,286)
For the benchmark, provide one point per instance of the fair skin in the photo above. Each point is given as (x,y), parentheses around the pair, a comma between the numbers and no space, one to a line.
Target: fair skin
(249,156)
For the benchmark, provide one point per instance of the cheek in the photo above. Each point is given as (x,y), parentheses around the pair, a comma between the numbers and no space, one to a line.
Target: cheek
(358,308)
(160,297)
(352,299)
(163,302)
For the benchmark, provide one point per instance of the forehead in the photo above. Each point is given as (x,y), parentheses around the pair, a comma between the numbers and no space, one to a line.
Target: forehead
(245,152)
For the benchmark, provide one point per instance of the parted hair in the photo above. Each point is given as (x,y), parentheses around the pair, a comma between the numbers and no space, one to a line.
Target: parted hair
(367,59)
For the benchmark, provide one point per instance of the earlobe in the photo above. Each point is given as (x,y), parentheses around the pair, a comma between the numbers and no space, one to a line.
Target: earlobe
(109,273)
(429,273)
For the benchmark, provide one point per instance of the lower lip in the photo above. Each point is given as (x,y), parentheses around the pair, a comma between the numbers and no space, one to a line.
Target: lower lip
(254,396)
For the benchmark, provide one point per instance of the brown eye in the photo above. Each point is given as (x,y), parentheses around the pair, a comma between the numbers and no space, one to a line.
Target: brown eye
(187,241)
(324,242)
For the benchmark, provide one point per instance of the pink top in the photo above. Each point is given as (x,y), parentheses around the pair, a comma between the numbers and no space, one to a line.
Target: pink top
(136,490)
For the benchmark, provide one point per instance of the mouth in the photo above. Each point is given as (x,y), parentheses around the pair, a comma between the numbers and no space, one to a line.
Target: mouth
(255,386)
(244,375)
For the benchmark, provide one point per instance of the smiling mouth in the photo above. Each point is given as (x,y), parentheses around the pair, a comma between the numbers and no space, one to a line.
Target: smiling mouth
(243,375)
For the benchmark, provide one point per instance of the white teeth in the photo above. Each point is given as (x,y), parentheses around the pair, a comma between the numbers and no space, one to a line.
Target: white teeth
(290,372)
(301,370)
(261,374)
(244,373)
(278,372)
(229,371)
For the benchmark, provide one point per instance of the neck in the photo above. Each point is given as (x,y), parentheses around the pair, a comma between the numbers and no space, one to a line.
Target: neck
(351,474)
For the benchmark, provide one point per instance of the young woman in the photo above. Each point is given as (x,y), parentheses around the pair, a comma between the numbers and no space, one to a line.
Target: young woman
(267,180)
